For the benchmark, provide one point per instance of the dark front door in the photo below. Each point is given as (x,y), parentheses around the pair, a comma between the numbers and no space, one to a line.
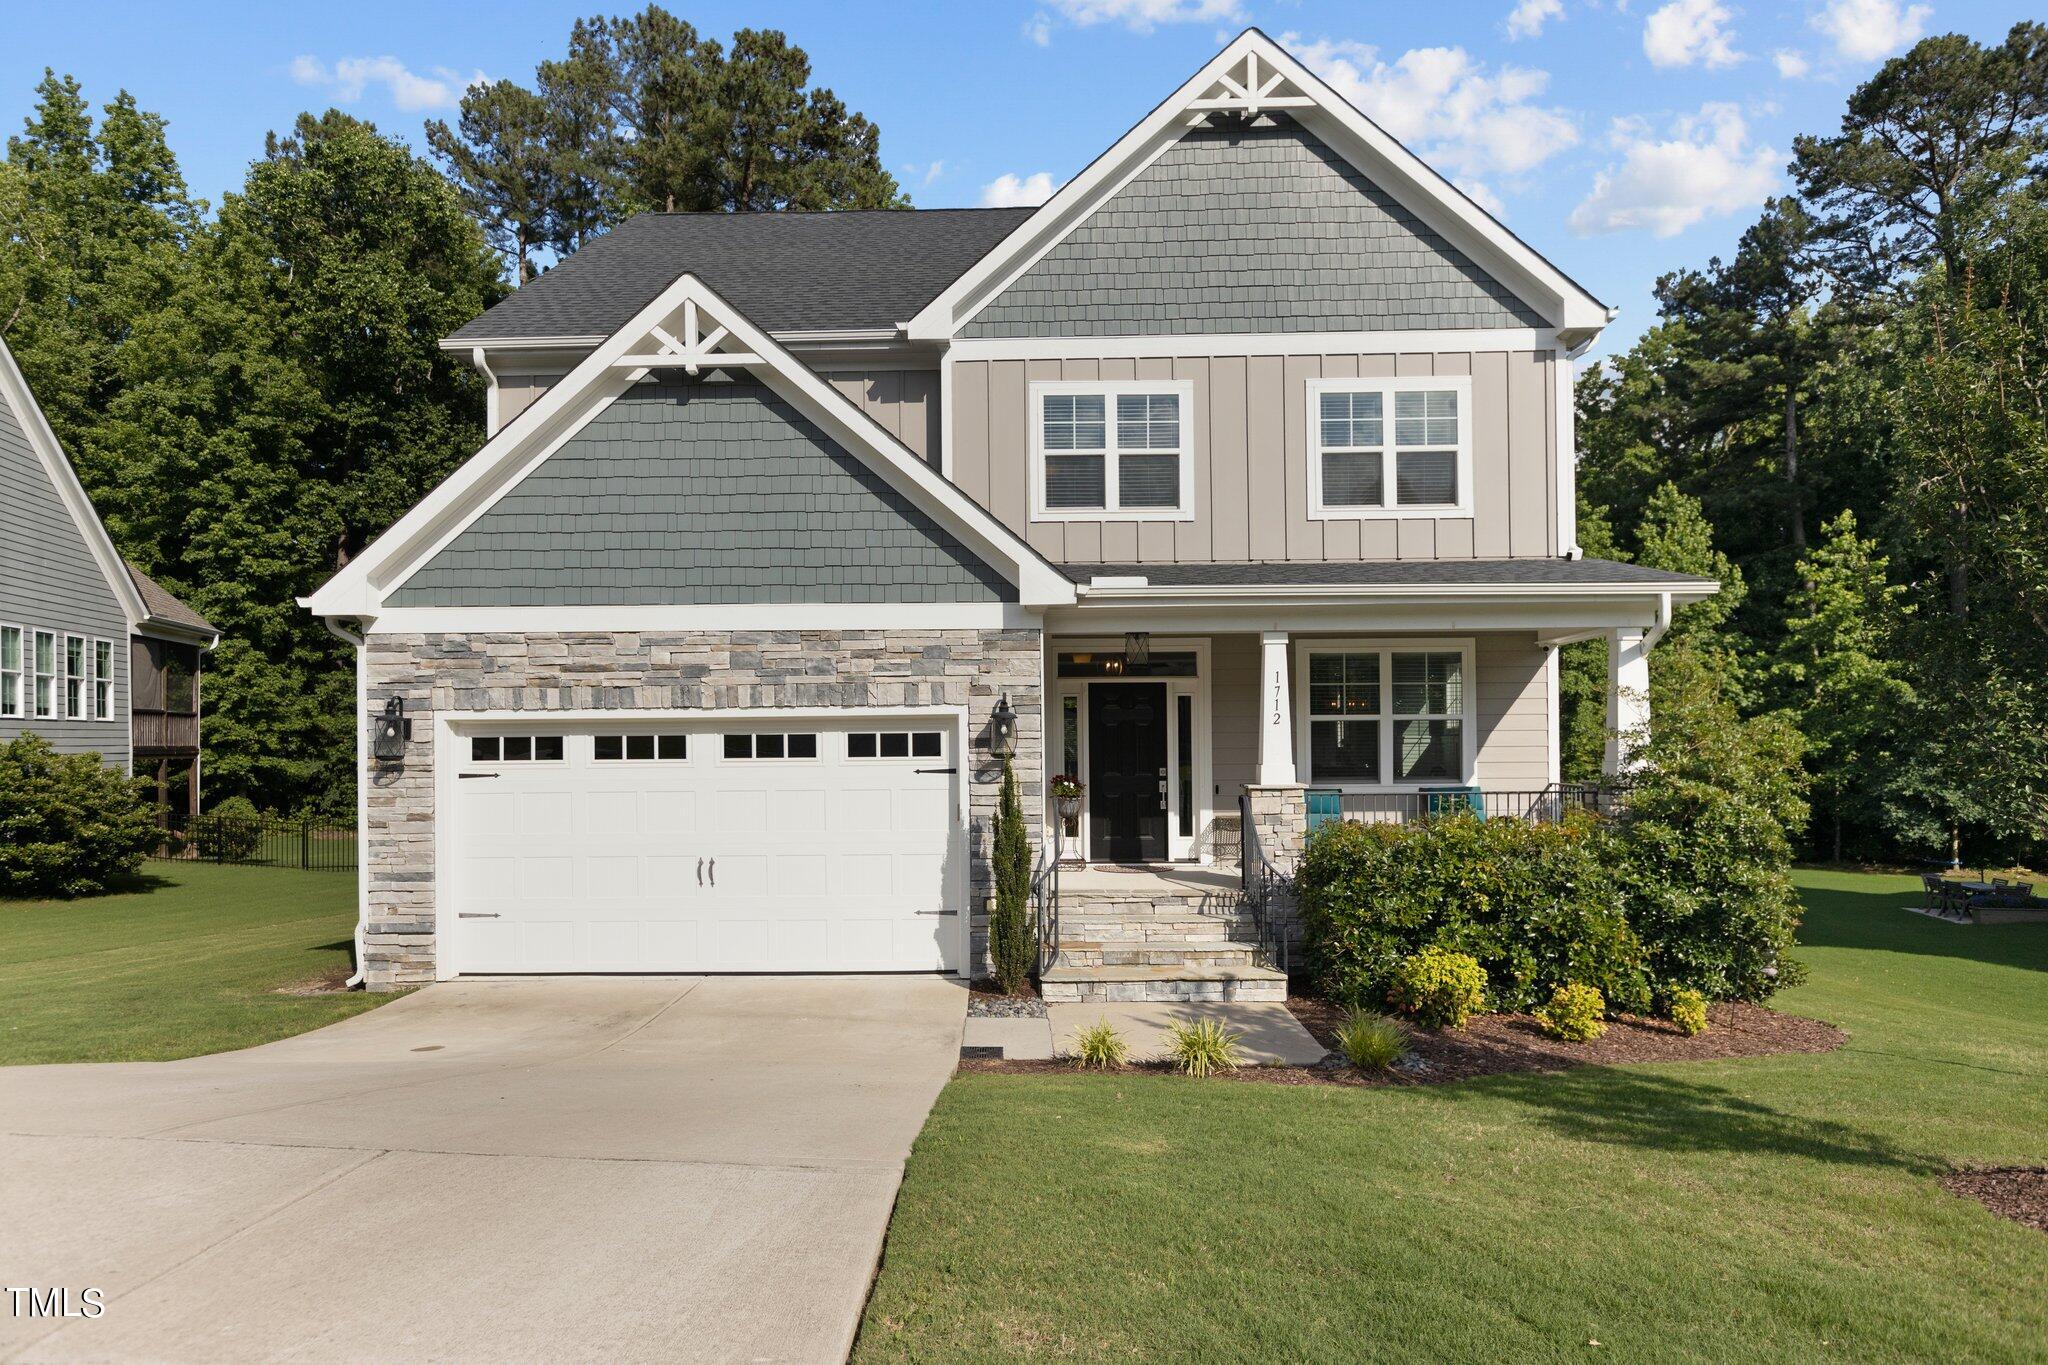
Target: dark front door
(1127,771)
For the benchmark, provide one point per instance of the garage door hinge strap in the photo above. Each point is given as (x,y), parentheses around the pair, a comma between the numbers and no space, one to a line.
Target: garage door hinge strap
(938,912)
(470,775)
(476,914)
(929,770)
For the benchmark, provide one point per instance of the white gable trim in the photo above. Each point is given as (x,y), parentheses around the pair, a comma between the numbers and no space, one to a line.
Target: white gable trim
(1255,72)
(43,440)
(690,327)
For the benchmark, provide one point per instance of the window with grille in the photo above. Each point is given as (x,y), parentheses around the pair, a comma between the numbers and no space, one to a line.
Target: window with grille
(1112,450)
(1389,447)
(1383,715)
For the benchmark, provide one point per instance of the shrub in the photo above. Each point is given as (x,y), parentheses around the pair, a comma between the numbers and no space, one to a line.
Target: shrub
(1575,1013)
(230,832)
(1535,904)
(1688,1009)
(1197,1047)
(1010,936)
(1102,1046)
(1703,855)
(69,826)
(1372,1042)
(1439,987)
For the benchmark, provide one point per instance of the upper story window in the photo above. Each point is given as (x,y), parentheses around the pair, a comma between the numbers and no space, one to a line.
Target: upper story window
(1390,447)
(10,671)
(1119,450)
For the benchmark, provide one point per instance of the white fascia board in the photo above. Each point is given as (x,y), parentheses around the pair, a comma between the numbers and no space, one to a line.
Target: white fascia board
(42,439)
(711,617)
(1551,619)
(1399,171)
(1092,595)
(178,634)
(359,589)
(1255,343)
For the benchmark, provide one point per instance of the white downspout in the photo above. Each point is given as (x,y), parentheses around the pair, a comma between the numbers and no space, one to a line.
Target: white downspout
(362,795)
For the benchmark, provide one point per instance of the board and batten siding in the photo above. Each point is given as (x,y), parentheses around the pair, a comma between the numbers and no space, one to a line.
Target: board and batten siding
(49,580)
(1251,453)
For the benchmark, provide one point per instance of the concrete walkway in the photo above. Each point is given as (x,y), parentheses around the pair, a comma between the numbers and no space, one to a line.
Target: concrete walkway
(1267,1032)
(618,1169)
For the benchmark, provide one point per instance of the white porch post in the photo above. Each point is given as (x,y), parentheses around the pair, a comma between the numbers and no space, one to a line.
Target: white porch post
(1276,712)
(1628,696)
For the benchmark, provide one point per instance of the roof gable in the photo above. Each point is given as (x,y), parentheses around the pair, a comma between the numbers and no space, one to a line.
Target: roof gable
(1259,228)
(692,329)
(1251,78)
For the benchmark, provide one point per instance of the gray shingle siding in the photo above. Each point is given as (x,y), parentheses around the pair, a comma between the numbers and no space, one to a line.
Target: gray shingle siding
(690,492)
(50,581)
(1261,229)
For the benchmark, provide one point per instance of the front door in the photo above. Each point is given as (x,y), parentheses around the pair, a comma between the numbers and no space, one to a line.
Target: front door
(1127,772)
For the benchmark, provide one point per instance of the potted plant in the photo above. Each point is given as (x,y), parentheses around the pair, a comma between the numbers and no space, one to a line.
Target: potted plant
(1066,796)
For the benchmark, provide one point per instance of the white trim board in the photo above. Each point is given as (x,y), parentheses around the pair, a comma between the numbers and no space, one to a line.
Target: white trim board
(713,617)
(1323,112)
(605,374)
(1213,344)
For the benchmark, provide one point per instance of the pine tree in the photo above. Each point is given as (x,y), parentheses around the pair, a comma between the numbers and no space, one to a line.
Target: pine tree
(1838,664)
(1674,535)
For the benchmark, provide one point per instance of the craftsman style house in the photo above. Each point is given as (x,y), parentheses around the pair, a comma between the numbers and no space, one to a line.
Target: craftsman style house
(94,656)
(1235,480)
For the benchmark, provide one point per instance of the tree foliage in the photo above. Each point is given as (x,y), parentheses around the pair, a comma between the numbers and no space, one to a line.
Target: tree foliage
(1011,945)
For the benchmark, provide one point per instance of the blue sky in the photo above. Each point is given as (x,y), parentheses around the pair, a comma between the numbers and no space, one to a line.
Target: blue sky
(1622,138)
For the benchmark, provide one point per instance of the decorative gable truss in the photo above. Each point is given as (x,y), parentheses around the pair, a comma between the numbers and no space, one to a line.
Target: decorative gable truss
(1253,77)
(688,328)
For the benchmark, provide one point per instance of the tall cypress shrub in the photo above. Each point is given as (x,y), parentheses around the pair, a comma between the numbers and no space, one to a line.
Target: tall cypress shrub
(1010,930)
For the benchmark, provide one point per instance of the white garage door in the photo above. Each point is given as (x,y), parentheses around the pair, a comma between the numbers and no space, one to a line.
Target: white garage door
(763,846)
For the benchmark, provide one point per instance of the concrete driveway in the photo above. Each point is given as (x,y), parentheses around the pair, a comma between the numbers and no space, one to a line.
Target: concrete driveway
(624,1169)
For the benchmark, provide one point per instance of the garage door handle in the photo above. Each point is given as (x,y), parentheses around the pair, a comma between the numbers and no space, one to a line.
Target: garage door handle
(700,872)
(469,775)
(714,871)
(476,914)
(938,912)
(922,770)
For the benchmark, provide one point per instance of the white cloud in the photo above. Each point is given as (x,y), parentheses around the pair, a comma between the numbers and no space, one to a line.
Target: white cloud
(1705,165)
(1466,120)
(923,174)
(349,77)
(1865,30)
(1139,16)
(1791,65)
(1012,191)
(1689,32)
(1527,18)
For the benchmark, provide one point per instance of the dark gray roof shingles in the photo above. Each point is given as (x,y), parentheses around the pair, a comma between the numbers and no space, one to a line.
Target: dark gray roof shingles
(1396,573)
(162,606)
(788,272)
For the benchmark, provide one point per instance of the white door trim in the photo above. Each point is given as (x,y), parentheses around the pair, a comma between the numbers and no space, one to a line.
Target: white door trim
(451,726)
(1198,847)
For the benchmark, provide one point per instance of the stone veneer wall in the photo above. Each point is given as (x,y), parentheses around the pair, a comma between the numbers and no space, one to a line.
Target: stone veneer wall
(688,671)
(1280,819)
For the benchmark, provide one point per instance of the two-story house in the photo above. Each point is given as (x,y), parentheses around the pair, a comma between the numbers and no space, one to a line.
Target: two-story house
(95,657)
(1239,473)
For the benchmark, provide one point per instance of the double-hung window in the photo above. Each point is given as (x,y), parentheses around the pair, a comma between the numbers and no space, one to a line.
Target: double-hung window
(1112,450)
(43,676)
(1390,447)
(1386,714)
(103,679)
(74,677)
(10,671)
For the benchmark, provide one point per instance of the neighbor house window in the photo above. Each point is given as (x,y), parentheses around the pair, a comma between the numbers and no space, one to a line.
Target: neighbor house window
(43,679)
(1113,450)
(10,671)
(1389,447)
(103,679)
(1377,715)
(74,677)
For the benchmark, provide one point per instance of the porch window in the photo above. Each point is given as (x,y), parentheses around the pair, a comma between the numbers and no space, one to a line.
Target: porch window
(1389,447)
(10,671)
(1384,715)
(1102,450)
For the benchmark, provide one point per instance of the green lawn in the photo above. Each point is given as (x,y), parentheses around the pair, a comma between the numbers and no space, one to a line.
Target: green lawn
(189,965)
(1768,1209)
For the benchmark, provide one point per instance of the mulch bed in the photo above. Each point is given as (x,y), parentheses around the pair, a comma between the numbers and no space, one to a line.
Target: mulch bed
(2016,1192)
(1497,1044)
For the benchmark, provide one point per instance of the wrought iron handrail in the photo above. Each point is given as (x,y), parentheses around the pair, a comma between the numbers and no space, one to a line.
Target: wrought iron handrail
(1258,879)
(1045,902)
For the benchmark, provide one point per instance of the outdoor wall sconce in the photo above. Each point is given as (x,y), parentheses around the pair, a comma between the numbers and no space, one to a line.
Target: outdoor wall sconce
(1138,649)
(1002,729)
(393,732)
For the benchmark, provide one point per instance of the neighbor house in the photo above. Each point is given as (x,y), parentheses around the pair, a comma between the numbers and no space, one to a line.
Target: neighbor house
(94,656)
(1237,478)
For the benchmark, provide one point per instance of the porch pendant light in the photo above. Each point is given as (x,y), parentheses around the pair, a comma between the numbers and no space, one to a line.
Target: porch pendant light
(1138,648)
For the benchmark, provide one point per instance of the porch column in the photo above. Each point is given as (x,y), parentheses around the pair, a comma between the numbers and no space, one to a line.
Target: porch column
(1276,712)
(1628,697)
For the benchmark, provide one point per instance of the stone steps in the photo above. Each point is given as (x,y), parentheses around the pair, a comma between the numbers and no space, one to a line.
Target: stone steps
(1090,985)
(1147,953)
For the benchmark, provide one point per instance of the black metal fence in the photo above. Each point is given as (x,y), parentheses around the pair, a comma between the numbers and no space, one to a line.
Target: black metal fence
(1550,803)
(265,841)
